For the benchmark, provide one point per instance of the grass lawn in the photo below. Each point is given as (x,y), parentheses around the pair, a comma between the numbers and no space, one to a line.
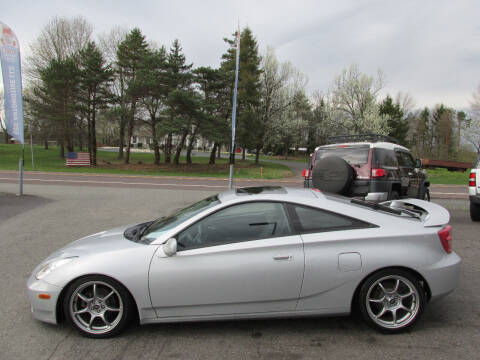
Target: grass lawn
(443,176)
(140,164)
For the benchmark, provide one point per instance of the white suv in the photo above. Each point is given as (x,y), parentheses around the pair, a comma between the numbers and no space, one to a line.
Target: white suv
(474,191)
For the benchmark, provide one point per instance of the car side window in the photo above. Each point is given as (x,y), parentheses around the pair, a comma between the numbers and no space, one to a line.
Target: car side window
(400,159)
(237,223)
(409,159)
(384,157)
(309,220)
(405,159)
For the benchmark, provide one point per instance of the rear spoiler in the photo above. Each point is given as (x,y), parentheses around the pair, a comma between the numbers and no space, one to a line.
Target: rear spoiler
(431,214)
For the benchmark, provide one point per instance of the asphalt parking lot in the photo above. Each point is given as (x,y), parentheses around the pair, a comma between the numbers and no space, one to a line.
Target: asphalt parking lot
(48,217)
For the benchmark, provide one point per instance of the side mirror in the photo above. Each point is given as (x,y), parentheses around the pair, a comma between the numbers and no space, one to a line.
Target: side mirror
(418,163)
(170,247)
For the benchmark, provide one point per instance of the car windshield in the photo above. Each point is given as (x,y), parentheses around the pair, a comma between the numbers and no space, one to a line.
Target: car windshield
(160,226)
(355,155)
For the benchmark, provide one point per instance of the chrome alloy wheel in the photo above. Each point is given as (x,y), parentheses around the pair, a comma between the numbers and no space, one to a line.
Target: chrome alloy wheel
(392,302)
(96,307)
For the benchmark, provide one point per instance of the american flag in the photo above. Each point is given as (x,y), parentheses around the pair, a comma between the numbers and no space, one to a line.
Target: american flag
(78,159)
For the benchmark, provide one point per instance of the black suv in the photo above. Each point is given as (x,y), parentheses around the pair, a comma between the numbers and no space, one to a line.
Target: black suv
(374,167)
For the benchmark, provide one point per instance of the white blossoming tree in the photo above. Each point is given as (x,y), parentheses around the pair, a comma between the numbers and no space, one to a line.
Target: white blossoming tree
(352,105)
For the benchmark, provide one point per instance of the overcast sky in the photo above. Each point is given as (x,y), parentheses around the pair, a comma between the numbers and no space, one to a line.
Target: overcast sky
(430,49)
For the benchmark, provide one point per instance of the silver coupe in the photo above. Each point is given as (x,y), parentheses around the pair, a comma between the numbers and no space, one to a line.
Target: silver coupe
(254,253)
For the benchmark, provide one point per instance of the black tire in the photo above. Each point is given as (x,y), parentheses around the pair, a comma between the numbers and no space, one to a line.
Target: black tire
(394,195)
(100,297)
(332,174)
(474,211)
(378,306)
(425,193)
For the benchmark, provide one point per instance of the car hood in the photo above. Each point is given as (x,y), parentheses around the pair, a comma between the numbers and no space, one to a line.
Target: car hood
(104,241)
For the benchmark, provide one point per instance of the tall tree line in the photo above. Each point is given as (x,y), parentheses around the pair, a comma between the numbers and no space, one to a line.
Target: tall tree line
(81,92)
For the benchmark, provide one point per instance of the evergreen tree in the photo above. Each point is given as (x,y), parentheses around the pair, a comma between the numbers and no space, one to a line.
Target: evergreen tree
(211,123)
(442,120)
(181,100)
(318,132)
(56,96)
(131,55)
(95,76)
(249,86)
(423,132)
(152,83)
(397,124)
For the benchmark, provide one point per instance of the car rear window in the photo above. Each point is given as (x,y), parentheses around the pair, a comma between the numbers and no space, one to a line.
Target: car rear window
(356,155)
(308,220)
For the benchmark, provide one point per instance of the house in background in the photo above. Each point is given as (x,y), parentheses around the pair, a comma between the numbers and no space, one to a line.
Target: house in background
(142,138)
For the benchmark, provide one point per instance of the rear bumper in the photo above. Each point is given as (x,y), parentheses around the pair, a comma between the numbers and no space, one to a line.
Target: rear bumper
(475,199)
(377,196)
(443,276)
(372,190)
(43,309)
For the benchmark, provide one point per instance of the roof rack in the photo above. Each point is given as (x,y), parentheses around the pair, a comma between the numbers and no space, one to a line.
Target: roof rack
(361,138)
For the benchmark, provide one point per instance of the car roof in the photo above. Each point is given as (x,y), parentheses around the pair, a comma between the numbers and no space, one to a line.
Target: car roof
(268,193)
(380,144)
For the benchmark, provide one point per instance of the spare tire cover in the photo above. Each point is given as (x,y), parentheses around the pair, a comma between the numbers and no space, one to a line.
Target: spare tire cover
(332,174)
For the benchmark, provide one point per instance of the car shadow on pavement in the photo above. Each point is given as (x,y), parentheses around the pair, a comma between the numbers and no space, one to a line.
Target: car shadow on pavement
(254,329)
(12,204)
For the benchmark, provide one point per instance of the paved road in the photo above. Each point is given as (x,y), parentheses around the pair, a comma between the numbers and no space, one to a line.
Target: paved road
(49,217)
(180,183)
(137,181)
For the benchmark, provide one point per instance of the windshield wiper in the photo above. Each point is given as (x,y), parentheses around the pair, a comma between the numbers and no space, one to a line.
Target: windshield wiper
(147,226)
(142,230)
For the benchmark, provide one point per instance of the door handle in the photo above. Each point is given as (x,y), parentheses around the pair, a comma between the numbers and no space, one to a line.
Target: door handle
(283,258)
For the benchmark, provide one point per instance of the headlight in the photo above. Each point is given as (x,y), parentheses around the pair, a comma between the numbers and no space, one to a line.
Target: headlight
(52,265)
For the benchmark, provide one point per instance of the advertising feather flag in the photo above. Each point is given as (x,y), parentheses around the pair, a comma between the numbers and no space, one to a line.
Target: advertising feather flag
(12,82)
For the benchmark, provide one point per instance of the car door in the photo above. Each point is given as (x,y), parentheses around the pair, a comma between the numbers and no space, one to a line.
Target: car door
(242,259)
(333,257)
(415,178)
(407,174)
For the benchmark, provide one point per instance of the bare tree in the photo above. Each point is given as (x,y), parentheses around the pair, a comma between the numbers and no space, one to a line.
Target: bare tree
(475,102)
(60,38)
(471,132)
(406,102)
(280,86)
(109,43)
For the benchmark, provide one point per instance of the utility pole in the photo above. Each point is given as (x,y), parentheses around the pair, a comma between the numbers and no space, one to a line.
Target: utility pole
(234,111)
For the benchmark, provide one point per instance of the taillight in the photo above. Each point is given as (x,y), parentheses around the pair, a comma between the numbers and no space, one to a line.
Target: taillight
(472,179)
(306,173)
(445,236)
(378,173)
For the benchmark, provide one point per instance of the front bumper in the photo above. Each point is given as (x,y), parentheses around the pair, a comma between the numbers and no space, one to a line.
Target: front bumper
(443,276)
(43,309)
